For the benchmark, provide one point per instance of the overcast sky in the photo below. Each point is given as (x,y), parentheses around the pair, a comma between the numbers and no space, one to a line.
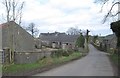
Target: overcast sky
(59,15)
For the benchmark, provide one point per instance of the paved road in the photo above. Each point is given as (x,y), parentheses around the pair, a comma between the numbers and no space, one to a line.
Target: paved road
(96,63)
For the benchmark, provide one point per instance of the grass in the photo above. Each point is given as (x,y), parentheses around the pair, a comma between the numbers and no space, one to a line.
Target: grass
(0,68)
(65,59)
(19,67)
(39,64)
(115,58)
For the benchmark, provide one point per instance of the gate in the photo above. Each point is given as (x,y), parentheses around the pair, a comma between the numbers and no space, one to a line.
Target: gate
(6,56)
(1,55)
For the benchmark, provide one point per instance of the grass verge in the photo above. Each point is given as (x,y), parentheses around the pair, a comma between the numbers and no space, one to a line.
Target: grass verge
(17,68)
(115,59)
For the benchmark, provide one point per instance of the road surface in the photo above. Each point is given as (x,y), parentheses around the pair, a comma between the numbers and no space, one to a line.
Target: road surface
(96,63)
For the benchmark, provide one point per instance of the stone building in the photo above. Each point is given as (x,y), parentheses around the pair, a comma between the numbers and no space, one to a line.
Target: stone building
(16,38)
(58,40)
(17,44)
(107,43)
(110,42)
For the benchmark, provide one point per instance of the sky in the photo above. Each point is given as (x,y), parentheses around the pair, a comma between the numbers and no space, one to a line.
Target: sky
(60,15)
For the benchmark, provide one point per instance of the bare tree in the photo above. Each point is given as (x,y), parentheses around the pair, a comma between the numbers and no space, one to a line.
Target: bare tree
(73,31)
(109,14)
(115,26)
(32,29)
(13,10)
(7,4)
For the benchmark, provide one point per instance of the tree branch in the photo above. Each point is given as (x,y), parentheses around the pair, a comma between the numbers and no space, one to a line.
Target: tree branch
(115,14)
(13,10)
(109,12)
(103,6)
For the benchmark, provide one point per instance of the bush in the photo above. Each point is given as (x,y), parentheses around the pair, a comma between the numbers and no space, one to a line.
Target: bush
(56,53)
(60,52)
(80,41)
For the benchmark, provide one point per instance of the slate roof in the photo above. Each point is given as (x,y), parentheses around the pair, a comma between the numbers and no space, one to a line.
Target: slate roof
(58,37)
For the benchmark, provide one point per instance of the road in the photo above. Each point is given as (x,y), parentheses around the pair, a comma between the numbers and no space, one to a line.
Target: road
(96,63)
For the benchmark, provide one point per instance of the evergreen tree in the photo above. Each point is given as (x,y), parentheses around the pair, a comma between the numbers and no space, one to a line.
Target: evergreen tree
(80,41)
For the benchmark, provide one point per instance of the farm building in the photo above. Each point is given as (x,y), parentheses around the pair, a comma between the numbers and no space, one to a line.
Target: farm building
(16,44)
(58,40)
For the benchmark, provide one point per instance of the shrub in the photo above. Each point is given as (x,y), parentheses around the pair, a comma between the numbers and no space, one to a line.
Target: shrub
(65,53)
(60,52)
(56,53)
(80,41)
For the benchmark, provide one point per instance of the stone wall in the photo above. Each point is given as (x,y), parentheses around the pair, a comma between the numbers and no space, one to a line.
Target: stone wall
(69,45)
(30,57)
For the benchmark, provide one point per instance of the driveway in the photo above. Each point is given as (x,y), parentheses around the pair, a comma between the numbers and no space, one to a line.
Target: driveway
(96,63)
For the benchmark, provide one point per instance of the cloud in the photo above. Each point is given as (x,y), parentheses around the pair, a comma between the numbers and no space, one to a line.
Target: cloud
(38,11)
(59,15)
(102,32)
(71,3)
